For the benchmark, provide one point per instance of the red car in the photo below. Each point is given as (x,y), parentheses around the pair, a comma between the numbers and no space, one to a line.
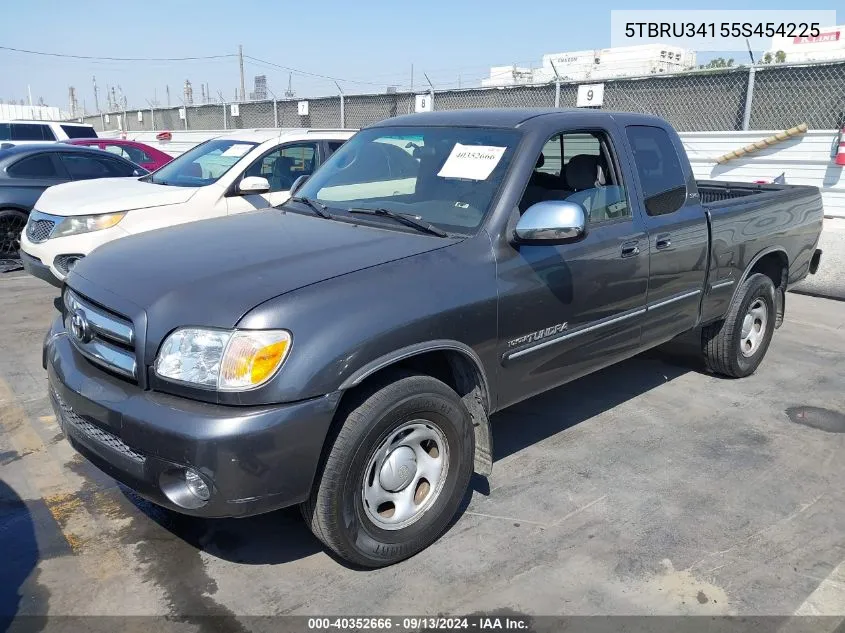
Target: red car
(147,157)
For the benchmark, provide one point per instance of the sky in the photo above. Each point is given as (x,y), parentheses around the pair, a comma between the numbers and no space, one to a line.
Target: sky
(366,45)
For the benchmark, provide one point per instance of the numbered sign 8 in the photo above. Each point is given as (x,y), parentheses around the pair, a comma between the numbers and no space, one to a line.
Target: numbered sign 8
(423,103)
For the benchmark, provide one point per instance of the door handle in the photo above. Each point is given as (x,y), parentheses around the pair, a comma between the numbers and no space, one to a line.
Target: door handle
(663,241)
(630,249)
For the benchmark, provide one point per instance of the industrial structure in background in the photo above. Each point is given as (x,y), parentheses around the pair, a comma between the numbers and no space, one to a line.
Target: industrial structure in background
(603,63)
(188,93)
(828,45)
(73,103)
(260,89)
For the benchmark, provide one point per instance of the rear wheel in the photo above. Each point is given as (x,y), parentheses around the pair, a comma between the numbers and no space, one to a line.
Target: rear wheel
(12,223)
(736,346)
(395,473)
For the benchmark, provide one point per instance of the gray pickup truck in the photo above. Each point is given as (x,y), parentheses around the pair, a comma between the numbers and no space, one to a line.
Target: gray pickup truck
(345,351)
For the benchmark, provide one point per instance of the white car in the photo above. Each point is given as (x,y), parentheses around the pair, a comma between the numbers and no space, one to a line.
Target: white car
(243,171)
(19,132)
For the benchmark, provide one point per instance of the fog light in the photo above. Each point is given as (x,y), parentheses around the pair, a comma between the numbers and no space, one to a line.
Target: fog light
(196,485)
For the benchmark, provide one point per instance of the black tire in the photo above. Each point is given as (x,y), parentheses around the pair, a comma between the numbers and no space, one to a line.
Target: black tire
(12,222)
(335,511)
(723,342)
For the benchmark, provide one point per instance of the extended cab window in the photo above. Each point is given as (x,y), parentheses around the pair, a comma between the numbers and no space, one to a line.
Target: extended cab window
(659,168)
(579,167)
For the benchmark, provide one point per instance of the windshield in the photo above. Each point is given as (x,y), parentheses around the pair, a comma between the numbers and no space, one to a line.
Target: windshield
(203,164)
(445,176)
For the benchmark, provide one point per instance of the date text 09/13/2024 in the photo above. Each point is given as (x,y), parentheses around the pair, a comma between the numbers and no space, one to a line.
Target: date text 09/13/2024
(421,623)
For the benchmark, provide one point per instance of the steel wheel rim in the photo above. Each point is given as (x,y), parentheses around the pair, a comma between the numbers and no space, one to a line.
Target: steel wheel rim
(405,475)
(11,228)
(753,328)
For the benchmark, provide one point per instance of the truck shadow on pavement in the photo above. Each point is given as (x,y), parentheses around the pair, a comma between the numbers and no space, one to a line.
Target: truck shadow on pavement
(19,552)
(171,543)
(550,413)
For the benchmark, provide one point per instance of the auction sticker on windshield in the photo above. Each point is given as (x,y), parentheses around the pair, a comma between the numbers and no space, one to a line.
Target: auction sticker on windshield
(473,162)
(237,150)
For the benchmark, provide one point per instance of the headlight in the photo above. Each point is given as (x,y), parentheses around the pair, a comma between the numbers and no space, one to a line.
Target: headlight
(226,360)
(74,225)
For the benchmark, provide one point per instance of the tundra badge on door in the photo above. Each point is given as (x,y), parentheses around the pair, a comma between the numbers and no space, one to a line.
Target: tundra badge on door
(538,335)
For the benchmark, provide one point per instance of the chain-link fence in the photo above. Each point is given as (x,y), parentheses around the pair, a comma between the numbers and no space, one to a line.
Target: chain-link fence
(764,97)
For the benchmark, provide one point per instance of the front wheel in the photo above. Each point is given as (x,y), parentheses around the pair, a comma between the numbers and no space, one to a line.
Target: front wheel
(736,346)
(395,472)
(12,223)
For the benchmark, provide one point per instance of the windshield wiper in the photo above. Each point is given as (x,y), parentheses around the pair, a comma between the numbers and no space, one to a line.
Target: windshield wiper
(318,207)
(408,220)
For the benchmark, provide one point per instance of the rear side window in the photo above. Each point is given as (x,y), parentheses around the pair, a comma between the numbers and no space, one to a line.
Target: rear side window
(334,146)
(79,131)
(128,152)
(84,167)
(659,168)
(31,132)
(38,166)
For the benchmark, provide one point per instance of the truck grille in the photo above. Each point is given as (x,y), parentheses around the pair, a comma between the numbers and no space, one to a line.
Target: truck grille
(73,422)
(39,230)
(103,337)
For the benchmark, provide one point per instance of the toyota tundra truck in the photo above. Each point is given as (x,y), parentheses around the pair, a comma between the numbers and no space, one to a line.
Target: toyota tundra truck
(346,350)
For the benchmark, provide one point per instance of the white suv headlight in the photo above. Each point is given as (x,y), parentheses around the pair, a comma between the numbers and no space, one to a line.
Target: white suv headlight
(226,360)
(76,224)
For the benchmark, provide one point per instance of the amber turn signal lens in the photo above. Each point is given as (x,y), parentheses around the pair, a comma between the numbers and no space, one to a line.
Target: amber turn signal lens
(253,357)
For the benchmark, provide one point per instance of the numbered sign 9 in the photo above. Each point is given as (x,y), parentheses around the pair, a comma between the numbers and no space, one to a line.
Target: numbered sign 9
(590,95)
(423,103)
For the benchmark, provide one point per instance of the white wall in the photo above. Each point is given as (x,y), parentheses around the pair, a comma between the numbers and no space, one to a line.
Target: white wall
(806,160)
(182,140)
(40,113)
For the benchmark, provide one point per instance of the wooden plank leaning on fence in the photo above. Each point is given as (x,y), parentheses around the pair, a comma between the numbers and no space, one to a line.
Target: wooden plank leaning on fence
(766,142)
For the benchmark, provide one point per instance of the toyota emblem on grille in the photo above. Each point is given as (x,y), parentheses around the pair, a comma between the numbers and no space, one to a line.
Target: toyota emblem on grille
(80,328)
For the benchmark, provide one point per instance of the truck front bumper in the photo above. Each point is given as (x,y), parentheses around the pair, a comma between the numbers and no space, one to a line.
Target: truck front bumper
(252,459)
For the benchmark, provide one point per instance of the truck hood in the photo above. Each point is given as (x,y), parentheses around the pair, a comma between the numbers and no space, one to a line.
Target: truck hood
(107,195)
(211,273)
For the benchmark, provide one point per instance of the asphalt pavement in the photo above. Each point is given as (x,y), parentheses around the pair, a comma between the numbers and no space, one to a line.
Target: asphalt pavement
(651,487)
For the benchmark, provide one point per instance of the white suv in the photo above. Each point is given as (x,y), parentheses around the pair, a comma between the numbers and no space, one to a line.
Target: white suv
(24,132)
(243,171)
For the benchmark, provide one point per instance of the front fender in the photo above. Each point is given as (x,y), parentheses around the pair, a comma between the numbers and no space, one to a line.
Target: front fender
(391,358)
(346,328)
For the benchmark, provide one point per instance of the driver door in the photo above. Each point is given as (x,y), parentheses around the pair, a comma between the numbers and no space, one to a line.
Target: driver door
(281,167)
(568,309)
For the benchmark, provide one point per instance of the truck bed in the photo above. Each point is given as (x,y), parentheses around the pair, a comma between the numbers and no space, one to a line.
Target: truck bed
(721,191)
(748,218)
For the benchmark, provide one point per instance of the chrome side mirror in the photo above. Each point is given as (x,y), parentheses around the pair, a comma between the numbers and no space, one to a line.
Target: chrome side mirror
(551,222)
